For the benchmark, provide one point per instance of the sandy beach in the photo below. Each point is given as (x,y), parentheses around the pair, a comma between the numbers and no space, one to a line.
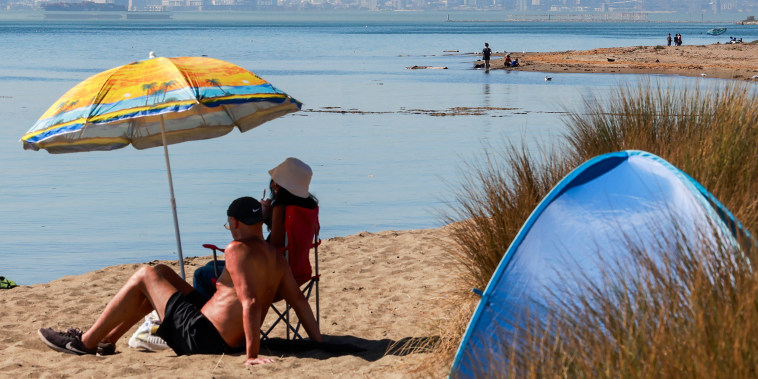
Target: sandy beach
(379,291)
(726,61)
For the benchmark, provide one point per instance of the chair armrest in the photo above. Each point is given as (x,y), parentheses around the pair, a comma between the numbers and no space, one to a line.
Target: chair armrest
(212,247)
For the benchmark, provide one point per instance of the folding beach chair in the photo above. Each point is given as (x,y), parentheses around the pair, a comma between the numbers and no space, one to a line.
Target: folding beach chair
(301,228)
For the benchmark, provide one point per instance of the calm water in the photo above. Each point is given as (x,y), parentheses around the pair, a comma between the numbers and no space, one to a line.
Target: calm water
(388,165)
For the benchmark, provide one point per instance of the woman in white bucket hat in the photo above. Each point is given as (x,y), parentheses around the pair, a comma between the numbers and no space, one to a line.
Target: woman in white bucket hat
(290,182)
(289,186)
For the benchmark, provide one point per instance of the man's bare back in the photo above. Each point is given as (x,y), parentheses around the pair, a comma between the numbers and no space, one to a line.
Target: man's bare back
(253,276)
(259,261)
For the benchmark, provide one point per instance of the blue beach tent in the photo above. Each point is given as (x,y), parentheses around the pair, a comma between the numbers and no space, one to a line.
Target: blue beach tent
(595,216)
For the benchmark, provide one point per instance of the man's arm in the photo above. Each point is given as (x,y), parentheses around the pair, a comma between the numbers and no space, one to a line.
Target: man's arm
(247,293)
(290,291)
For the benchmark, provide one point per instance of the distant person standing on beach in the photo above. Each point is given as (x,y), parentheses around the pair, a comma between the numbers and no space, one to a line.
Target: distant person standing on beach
(486,52)
(668,39)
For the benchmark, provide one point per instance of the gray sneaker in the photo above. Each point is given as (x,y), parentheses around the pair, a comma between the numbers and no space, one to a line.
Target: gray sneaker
(69,341)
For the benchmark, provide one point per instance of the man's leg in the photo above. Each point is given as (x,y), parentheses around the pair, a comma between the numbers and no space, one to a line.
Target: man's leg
(204,279)
(127,323)
(146,306)
(149,288)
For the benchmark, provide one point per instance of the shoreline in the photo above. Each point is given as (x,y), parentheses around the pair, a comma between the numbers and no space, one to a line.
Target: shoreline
(725,61)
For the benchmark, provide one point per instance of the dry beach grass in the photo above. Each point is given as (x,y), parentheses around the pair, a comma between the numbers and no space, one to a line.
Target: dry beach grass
(693,317)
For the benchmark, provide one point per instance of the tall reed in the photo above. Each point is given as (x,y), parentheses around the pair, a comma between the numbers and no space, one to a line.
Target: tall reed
(711,133)
(495,199)
(708,132)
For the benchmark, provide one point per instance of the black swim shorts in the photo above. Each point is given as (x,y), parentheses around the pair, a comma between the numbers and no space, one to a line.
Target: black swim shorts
(186,330)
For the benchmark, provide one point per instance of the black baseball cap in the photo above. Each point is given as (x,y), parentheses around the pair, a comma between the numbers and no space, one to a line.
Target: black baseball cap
(246,209)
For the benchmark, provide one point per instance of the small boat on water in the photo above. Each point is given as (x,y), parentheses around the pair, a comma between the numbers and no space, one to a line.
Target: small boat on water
(716,31)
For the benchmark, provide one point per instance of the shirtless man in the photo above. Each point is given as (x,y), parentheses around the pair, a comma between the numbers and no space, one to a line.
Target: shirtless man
(254,275)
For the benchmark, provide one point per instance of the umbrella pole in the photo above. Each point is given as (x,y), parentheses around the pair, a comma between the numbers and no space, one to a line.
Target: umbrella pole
(173,200)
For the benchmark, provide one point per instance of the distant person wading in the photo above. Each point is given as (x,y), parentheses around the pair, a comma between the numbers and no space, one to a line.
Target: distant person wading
(486,52)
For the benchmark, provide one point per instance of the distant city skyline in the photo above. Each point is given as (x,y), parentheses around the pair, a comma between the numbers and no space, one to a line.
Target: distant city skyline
(577,6)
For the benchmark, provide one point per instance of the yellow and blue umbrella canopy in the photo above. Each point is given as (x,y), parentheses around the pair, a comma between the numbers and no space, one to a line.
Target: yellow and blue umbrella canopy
(159,101)
(194,97)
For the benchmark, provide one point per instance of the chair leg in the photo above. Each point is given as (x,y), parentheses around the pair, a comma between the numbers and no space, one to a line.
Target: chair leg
(287,318)
(318,315)
(280,317)
(293,332)
(307,293)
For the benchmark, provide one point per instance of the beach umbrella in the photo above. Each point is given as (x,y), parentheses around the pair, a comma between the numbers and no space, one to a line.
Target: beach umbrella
(158,102)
